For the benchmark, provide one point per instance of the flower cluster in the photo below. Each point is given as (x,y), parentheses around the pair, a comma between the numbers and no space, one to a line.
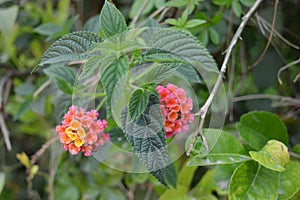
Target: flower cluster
(80,131)
(176,109)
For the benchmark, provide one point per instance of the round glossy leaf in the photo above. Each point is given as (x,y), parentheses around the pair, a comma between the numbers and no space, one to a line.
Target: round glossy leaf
(253,181)
(217,159)
(266,160)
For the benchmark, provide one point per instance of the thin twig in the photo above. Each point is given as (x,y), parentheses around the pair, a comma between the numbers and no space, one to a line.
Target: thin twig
(264,24)
(294,155)
(202,112)
(3,126)
(269,39)
(41,88)
(136,18)
(286,67)
(258,96)
(296,78)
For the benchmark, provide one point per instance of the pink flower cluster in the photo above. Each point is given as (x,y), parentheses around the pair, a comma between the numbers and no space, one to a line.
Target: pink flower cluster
(176,109)
(80,131)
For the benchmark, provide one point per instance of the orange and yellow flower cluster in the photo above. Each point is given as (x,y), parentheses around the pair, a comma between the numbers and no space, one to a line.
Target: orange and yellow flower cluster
(176,109)
(80,131)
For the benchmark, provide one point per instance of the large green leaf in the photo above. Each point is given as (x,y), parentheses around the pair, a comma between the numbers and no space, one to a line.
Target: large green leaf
(289,180)
(257,128)
(266,160)
(113,74)
(138,103)
(147,137)
(72,46)
(218,159)
(253,181)
(91,66)
(112,21)
(185,46)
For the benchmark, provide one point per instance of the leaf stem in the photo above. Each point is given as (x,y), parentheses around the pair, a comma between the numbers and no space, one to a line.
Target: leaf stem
(203,111)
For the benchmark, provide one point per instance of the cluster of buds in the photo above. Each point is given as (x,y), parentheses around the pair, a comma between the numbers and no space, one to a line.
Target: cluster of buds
(176,109)
(80,131)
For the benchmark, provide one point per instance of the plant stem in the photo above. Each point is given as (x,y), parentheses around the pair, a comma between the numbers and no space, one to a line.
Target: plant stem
(203,111)
(136,18)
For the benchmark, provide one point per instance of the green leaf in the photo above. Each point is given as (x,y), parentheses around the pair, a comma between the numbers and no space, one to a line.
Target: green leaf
(289,180)
(222,2)
(92,65)
(252,181)
(203,37)
(138,103)
(258,127)
(72,46)
(48,29)
(147,137)
(112,21)
(2,180)
(8,17)
(274,155)
(173,22)
(236,7)
(205,188)
(112,75)
(185,46)
(247,3)
(214,36)
(185,176)
(217,159)
(158,72)
(189,73)
(177,3)
(219,142)
(64,77)
(266,160)
(223,174)
(194,22)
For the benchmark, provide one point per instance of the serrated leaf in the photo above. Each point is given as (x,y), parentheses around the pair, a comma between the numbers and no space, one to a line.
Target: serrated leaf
(289,180)
(258,127)
(112,21)
(90,66)
(217,159)
(72,46)
(185,46)
(147,137)
(158,72)
(63,85)
(113,74)
(189,73)
(253,181)
(266,160)
(138,103)
(236,7)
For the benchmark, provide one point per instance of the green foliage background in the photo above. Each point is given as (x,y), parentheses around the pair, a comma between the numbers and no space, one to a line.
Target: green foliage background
(31,111)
